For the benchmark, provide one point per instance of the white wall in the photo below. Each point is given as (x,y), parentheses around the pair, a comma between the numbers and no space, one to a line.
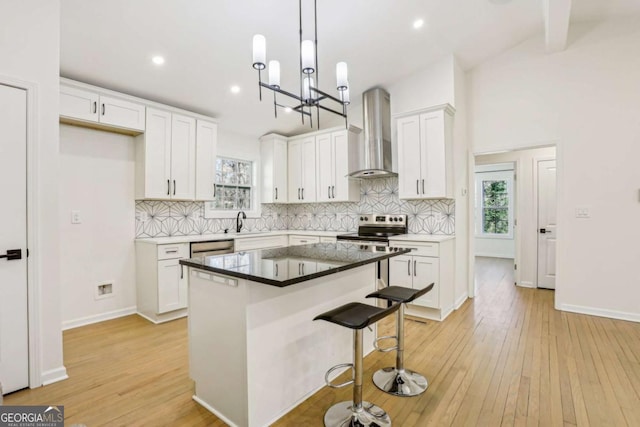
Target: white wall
(586,98)
(461,188)
(97,179)
(30,51)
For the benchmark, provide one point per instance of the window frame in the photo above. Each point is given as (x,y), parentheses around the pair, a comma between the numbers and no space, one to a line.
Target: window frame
(495,175)
(210,211)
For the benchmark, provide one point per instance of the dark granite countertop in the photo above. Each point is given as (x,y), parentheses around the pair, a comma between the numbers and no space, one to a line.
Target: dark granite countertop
(293,264)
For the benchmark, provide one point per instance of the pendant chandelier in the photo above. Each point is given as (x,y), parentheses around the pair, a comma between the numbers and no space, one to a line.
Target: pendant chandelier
(309,96)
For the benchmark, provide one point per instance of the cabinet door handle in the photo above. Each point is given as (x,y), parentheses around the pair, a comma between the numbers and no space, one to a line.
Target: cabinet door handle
(302,193)
(173,251)
(214,190)
(329,192)
(303,268)
(333,191)
(95,107)
(415,267)
(174,187)
(276,270)
(181,271)
(423,186)
(276,198)
(168,187)
(408,267)
(103,109)
(417,186)
(299,269)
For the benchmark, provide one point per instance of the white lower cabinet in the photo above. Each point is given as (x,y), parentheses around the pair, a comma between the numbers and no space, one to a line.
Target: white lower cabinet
(295,240)
(417,272)
(266,242)
(161,282)
(327,239)
(172,286)
(428,263)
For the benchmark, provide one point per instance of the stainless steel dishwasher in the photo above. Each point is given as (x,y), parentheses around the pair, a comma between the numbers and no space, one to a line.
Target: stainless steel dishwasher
(210,248)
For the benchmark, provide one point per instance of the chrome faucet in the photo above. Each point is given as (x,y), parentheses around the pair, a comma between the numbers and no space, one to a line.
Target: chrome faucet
(239,221)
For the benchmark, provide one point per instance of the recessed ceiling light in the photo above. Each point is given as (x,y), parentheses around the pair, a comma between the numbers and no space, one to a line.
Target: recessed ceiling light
(235,89)
(158,60)
(418,23)
(288,109)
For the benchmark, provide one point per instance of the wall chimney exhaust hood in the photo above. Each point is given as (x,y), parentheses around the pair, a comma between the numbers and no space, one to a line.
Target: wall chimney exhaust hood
(375,160)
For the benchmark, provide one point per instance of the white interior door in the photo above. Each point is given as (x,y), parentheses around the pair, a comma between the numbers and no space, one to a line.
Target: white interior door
(547,224)
(14,347)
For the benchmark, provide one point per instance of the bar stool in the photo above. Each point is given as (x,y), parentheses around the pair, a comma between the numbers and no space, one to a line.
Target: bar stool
(356,413)
(397,380)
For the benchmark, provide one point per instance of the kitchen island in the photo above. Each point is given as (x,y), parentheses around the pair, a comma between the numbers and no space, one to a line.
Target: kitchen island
(254,350)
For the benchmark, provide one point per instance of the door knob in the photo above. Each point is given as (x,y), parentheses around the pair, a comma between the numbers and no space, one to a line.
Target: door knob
(12,254)
(543,230)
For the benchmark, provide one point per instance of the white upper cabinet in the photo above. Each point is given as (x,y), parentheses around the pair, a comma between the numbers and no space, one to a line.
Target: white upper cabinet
(302,170)
(183,157)
(206,148)
(165,157)
(425,153)
(334,153)
(273,153)
(85,105)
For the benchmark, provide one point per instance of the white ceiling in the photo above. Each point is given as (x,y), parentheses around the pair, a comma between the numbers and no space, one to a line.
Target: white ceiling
(207,45)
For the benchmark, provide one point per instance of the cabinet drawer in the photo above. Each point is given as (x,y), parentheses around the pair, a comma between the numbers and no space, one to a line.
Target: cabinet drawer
(260,243)
(180,250)
(303,240)
(328,240)
(419,248)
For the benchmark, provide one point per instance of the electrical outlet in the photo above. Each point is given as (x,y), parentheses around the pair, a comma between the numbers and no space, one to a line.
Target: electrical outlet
(75,217)
(142,216)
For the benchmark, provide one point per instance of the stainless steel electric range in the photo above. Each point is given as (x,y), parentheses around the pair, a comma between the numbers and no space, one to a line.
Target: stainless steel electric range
(374,232)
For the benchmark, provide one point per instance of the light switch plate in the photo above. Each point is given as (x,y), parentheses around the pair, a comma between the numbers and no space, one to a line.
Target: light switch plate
(583,212)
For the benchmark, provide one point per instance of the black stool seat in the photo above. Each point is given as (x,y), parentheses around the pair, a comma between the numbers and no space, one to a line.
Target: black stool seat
(399,293)
(355,315)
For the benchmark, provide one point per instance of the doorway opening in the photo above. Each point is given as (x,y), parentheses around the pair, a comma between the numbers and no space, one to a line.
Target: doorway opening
(514,191)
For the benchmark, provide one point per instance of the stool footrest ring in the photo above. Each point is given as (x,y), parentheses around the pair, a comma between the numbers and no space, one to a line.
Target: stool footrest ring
(387,349)
(340,366)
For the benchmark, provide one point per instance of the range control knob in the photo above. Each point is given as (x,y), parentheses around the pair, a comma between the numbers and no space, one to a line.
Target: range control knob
(361,218)
(366,218)
(400,219)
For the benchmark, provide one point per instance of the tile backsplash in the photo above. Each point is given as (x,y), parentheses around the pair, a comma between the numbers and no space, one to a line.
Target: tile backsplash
(166,218)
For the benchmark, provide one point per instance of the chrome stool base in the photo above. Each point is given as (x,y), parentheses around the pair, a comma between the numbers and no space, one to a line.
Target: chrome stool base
(400,383)
(343,415)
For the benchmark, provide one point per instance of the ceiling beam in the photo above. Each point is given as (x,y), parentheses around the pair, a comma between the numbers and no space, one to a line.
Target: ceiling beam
(556,24)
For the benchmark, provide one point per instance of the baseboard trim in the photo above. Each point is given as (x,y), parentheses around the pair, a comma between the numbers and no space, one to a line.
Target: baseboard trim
(592,311)
(166,317)
(525,284)
(84,321)
(461,299)
(214,411)
(54,375)
(490,255)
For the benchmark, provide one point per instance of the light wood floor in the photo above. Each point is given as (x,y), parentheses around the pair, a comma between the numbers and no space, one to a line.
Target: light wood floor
(505,358)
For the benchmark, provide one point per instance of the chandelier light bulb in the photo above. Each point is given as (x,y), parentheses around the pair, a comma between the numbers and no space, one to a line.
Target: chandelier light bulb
(274,74)
(308,57)
(259,52)
(306,88)
(341,76)
(345,96)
